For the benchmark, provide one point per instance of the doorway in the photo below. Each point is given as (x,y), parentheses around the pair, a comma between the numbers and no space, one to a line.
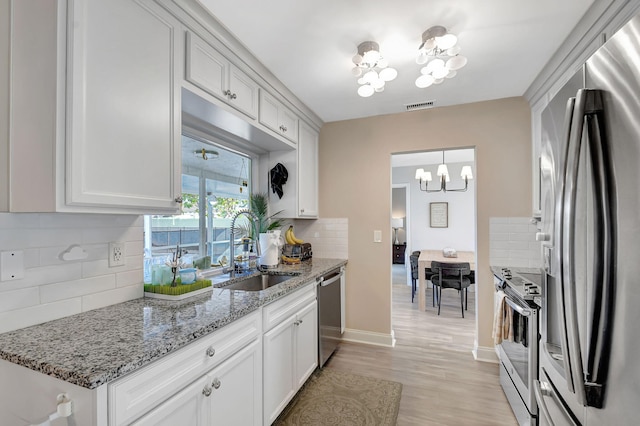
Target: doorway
(458,231)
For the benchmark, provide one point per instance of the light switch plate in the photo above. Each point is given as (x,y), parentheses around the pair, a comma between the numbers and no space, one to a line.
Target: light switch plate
(11,265)
(377,236)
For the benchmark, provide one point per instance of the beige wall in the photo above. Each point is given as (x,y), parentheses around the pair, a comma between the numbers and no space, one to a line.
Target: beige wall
(355,183)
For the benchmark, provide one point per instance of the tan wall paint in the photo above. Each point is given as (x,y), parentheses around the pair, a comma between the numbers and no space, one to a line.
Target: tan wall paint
(355,183)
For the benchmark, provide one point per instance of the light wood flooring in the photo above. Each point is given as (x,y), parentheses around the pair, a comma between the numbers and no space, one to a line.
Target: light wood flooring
(442,383)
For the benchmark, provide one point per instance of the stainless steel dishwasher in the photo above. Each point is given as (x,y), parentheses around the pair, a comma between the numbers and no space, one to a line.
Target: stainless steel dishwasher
(330,313)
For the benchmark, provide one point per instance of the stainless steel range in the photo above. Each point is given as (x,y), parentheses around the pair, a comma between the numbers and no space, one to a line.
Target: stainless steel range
(518,351)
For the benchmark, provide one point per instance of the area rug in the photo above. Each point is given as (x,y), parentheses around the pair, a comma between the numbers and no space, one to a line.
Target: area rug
(336,398)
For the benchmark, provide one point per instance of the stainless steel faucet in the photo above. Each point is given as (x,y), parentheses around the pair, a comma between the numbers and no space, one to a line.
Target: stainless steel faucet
(232,261)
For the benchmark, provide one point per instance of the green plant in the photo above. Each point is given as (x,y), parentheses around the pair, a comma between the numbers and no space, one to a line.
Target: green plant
(259,206)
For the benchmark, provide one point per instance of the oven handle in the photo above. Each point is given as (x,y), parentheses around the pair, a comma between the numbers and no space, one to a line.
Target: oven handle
(525,312)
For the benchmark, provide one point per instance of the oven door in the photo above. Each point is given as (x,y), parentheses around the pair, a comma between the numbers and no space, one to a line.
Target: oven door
(519,353)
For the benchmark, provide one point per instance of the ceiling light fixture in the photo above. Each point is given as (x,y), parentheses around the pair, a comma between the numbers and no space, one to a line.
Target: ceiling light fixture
(372,69)
(440,54)
(205,154)
(443,173)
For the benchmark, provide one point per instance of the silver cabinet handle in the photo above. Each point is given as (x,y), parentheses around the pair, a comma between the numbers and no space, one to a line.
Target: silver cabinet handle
(210,351)
(206,391)
(216,383)
(178,200)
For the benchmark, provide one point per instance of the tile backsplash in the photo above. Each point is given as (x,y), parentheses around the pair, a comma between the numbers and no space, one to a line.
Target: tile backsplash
(512,242)
(329,238)
(53,288)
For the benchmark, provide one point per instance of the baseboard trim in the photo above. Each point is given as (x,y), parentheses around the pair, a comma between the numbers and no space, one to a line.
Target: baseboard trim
(485,354)
(369,337)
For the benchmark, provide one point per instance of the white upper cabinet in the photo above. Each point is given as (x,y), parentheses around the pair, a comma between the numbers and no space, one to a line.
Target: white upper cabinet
(96,107)
(300,193)
(307,172)
(277,117)
(212,72)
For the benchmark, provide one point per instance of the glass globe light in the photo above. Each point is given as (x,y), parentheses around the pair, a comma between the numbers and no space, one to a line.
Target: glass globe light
(435,64)
(446,41)
(378,83)
(370,76)
(383,63)
(365,91)
(440,73)
(452,73)
(371,57)
(379,89)
(453,51)
(422,57)
(425,80)
(438,80)
(388,74)
(457,62)
(357,59)
(356,71)
(361,81)
(429,44)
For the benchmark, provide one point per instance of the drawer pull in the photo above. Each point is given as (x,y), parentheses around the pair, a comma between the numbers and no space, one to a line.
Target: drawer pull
(216,383)
(210,351)
(206,391)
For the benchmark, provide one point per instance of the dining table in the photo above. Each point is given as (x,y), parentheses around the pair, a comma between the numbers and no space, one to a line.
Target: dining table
(424,261)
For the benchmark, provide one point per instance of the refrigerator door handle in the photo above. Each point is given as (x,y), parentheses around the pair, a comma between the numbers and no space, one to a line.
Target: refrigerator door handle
(542,405)
(603,271)
(558,253)
(573,355)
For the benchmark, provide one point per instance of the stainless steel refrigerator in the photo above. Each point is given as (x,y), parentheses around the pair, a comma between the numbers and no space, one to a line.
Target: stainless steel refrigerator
(590,179)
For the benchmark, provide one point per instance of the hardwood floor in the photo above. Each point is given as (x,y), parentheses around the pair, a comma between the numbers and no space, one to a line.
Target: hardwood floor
(442,383)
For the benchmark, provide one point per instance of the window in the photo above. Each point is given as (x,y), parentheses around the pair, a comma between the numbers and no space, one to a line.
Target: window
(216,183)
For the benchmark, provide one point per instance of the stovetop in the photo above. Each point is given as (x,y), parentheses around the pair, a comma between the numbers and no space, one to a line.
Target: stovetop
(526,284)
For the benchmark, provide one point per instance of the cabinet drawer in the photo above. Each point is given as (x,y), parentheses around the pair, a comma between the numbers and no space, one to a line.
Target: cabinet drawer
(280,310)
(137,393)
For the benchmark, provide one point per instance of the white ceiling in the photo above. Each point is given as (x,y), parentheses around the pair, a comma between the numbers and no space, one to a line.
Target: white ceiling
(308,46)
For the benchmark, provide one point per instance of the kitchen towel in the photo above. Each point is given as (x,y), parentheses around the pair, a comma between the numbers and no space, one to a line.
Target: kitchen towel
(501,319)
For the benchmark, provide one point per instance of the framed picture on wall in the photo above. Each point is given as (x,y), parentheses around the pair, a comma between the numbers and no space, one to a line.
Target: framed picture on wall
(439,215)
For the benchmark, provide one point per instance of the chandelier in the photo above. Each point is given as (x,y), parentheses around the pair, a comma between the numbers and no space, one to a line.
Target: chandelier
(440,54)
(443,174)
(372,69)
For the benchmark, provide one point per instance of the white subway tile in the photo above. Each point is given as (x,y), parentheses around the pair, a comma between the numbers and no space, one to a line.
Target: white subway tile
(18,299)
(102,235)
(133,248)
(516,236)
(499,245)
(70,289)
(52,274)
(128,278)
(31,258)
(519,228)
(499,253)
(520,220)
(517,245)
(25,317)
(111,297)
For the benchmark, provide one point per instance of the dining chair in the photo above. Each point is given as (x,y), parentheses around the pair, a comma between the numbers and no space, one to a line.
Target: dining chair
(413,260)
(451,275)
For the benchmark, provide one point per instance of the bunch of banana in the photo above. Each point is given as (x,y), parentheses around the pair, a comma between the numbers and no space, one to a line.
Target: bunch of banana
(290,260)
(291,238)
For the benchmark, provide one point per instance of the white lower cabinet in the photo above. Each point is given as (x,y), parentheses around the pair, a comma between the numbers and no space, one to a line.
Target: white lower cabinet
(228,395)
(226,365)
(290,348)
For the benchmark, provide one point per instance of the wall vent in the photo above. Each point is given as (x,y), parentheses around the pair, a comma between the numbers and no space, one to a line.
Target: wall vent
(421,105)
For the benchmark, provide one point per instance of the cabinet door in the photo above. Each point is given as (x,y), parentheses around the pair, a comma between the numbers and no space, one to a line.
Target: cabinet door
(205,67)
(306,343)
(288,123)
(278,365)
(187,407)
(244,92)
(237,389)
(123,106)
(307,172)
(269,111)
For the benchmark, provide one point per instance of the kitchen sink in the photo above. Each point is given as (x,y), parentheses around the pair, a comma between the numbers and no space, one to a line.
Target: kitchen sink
(258,282)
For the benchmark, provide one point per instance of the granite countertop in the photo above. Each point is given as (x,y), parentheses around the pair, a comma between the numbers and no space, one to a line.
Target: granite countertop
(98,346)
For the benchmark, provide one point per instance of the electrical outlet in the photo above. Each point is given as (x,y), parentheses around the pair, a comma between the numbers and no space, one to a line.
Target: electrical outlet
(116,254)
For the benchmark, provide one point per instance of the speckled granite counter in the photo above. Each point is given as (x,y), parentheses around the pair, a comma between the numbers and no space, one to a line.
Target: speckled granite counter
(99,346)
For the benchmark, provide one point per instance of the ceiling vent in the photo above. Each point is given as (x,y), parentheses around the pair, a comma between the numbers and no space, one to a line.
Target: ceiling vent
(421,105)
